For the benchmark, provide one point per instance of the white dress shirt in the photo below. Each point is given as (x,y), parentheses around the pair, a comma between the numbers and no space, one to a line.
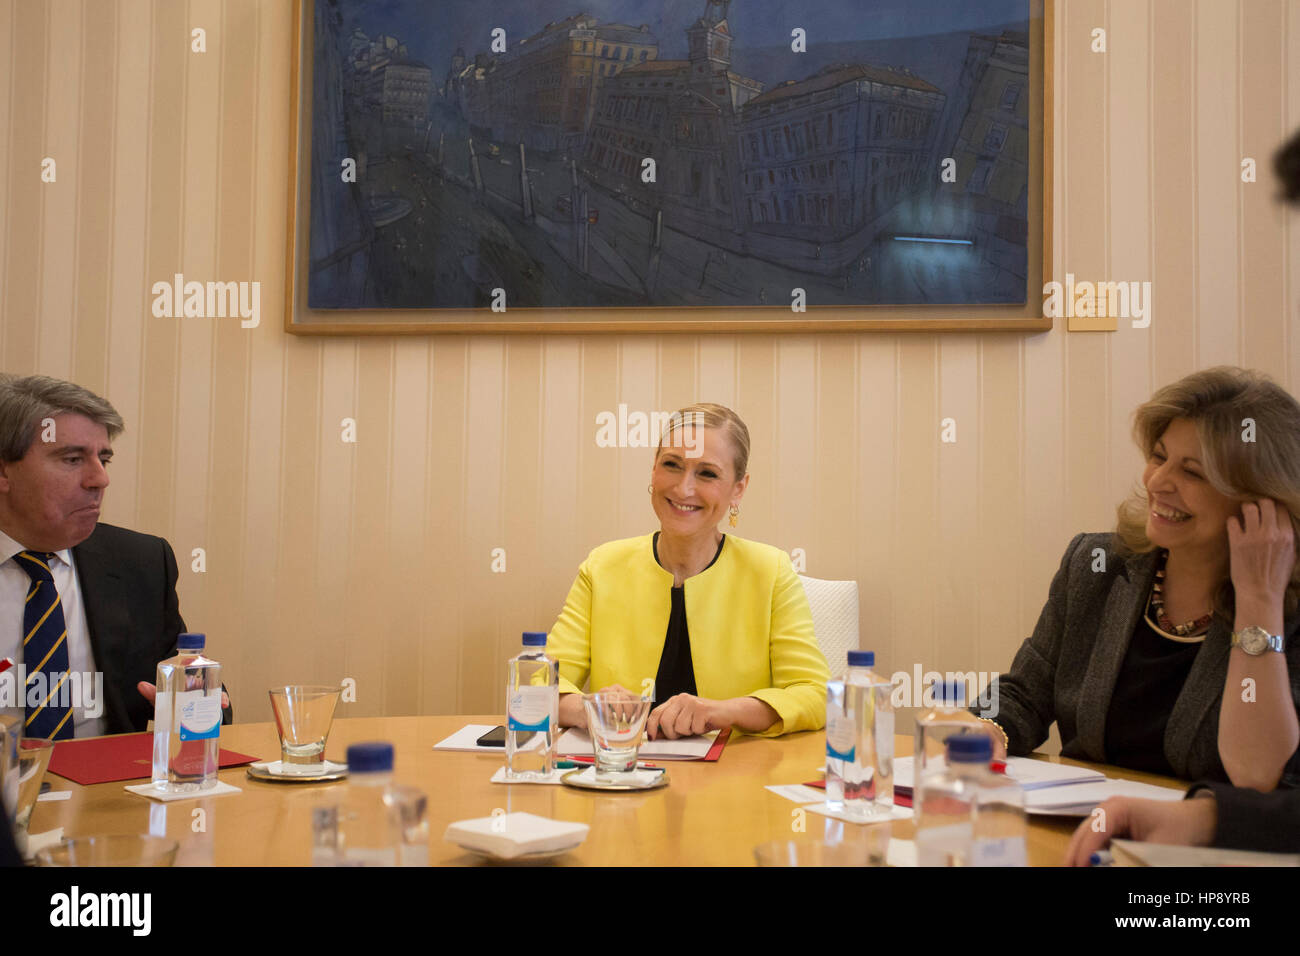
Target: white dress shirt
(14,587)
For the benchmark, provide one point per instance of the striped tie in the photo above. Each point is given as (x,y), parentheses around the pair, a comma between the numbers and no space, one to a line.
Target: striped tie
(45,650)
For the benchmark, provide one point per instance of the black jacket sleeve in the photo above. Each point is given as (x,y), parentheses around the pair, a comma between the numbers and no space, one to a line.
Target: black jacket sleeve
(1251,820)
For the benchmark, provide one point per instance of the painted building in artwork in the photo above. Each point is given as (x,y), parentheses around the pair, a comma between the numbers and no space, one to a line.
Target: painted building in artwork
(543,90)
(683,114)
(992,147)
(387,83)
(823,157)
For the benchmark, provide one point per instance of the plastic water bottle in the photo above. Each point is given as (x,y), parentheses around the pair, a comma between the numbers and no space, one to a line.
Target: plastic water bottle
(187,719)
(934,726)
(374,822)
(532,708)
(367,829)
(969,815)
(860,740)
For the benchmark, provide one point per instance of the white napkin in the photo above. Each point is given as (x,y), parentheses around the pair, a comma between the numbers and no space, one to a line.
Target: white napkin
(276,768)
(635,778)
(510,835)
(32,843)
(555,776)
(897,813)
(148,790)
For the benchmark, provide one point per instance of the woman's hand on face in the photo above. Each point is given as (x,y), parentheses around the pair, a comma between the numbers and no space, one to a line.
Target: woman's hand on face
(1261,545)
(684,715)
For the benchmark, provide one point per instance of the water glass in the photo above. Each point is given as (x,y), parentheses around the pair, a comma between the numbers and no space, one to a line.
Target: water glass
(616,722)
(303,715)
(110,850)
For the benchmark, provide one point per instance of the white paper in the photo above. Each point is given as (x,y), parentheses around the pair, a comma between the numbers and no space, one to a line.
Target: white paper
(148,790)
(1030,774)
(1161,854)
(55,795)
(1079,800)
(897,813)
(797,792)
(464,741)
(575,742)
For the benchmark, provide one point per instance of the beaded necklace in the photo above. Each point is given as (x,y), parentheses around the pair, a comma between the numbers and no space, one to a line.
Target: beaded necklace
(1157,605)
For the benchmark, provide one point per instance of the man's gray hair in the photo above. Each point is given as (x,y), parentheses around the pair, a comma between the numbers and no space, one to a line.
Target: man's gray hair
(26,401)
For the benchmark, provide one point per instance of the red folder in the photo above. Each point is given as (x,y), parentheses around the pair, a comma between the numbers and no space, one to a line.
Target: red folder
(121,757)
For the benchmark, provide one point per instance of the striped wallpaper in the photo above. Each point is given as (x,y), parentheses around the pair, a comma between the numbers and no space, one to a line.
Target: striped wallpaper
(373,560)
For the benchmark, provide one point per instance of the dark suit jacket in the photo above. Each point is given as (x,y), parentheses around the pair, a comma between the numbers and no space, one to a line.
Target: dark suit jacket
(128,588)
(1249,820)
(1067,670)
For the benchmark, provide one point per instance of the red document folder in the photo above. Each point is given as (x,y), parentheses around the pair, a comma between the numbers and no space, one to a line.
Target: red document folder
(121,757)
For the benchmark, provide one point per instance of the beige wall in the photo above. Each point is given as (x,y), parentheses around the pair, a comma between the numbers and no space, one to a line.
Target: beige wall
(372,560)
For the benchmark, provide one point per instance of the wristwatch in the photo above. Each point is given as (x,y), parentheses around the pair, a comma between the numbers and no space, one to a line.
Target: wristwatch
(1255,640)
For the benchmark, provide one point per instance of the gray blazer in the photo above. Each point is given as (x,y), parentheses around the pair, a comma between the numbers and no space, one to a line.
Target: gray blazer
(1067,670)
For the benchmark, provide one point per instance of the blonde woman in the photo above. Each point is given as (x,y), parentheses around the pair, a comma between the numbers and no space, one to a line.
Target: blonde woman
(1171,644)
(718,626)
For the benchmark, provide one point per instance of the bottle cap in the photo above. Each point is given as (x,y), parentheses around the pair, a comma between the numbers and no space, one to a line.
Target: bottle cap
(969,748)
(862,658)
(534,638)
(949,691)
(372,757)
(191,642)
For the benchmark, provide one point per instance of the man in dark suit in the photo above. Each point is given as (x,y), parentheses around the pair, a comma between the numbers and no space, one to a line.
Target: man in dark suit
(101,598)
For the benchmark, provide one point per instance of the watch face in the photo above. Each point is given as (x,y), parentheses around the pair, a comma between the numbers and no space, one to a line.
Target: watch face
(1253,640)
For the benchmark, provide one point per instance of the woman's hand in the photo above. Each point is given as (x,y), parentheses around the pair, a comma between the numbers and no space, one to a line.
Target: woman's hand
(684,715)
(573,714)
(1189,823)
(1261,547)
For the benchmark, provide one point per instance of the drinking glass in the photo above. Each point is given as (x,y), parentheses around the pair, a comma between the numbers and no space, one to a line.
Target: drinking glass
(616,722)
(33,758)
(303,715)
(114,849)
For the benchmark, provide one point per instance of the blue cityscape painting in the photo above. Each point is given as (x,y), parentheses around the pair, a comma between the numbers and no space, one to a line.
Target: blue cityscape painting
(567,154)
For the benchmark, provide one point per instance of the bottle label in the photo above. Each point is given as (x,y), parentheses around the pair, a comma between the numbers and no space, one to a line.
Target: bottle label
(839,736)
(529,709)
(200,714)
(1006,851)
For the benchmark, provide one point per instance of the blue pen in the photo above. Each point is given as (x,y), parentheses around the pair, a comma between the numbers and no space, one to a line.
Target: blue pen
(1101,858)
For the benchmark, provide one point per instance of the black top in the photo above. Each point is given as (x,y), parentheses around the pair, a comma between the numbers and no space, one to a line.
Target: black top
(1150,680)
(676,670)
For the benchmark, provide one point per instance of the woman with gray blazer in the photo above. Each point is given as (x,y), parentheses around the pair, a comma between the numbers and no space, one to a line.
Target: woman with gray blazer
(1171,644)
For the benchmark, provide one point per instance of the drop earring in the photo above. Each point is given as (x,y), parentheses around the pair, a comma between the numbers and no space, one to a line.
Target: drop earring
(733,515)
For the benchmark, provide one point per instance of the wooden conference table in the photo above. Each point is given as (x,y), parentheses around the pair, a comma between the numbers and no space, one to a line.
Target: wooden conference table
(710,814)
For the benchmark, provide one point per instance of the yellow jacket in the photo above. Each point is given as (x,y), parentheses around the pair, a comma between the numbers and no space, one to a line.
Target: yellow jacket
(751,630)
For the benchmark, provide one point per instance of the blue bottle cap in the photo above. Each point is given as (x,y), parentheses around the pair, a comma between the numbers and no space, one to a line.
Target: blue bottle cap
(862,658)
(969,748)
(371,757)
(534,638)
(191,642)
(949,691)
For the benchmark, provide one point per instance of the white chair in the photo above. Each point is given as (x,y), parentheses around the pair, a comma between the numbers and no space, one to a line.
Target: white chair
(834,606)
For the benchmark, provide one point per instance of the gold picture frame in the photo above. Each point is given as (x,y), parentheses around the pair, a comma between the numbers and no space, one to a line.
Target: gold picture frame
(301,320)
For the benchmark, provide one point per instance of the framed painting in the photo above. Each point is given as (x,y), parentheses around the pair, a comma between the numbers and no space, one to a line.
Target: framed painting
(689,165)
